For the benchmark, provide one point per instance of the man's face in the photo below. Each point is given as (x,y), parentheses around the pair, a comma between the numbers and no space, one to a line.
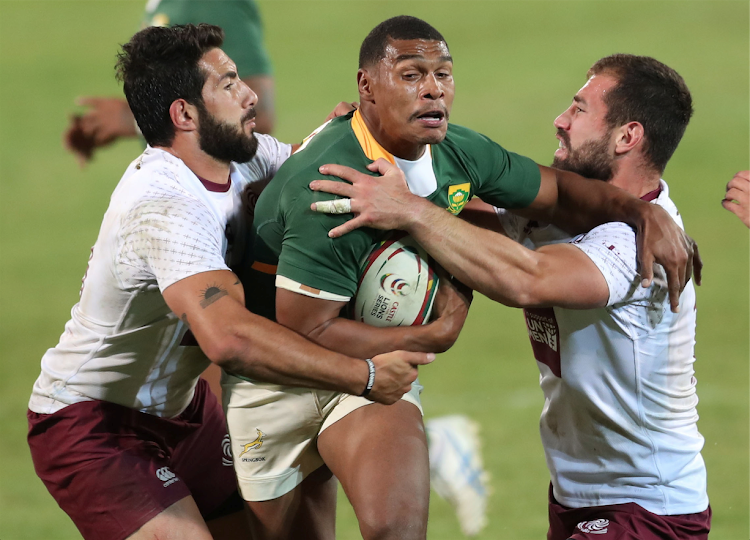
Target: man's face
(225,119)
(586,142)
(412,89)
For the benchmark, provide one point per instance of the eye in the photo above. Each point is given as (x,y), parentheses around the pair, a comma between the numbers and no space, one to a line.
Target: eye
(229,86)
(411,76)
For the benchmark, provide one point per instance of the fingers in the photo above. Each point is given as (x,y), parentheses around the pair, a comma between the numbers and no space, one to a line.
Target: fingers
(646,260)
(347,227)
(381,166)
(335,206)
(697,264)
(343,172)
(419,359)
(332,186)
(673,285)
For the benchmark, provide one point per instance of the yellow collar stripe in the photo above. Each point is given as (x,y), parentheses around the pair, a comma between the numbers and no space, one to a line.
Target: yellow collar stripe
(370,146)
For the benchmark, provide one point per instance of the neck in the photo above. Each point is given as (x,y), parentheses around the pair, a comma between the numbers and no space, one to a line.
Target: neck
(636,179)
(198,161)
(399,148)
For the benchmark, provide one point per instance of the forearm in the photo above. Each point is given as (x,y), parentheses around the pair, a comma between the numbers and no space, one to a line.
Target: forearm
(486,261)
(577,205)
(257,348)
(364,341)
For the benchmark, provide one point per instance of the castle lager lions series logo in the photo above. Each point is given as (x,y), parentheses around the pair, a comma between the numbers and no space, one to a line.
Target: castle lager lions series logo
(458,196)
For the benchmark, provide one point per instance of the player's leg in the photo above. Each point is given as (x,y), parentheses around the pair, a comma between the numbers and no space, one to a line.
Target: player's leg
(379,454)
(289,493)
(308,511)
(182,520)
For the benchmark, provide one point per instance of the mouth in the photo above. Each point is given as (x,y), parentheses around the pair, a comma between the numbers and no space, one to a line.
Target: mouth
(249,118)
(563,144)
(432,118)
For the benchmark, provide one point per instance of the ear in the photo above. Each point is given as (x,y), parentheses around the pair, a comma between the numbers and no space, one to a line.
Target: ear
(628,137)
(184,115)
(364,84)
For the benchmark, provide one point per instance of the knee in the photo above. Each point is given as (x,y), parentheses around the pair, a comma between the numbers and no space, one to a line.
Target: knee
(408,522)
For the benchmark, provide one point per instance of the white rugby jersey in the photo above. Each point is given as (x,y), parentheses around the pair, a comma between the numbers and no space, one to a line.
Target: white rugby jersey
(122,343)
(619,419)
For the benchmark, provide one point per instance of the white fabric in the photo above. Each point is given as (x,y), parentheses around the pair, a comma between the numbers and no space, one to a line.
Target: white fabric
(619,423)
(122,343)
(420,176)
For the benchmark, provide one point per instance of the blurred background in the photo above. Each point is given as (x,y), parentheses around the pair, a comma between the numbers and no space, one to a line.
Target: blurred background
(517,65)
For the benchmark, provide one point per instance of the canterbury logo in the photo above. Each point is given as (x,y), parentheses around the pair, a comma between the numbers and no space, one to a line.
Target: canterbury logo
(598,526)
(257,443)
(164,474)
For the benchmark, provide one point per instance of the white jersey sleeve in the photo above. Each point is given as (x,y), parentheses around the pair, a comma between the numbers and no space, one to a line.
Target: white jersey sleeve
(169,239)
(271,154)
(612,247)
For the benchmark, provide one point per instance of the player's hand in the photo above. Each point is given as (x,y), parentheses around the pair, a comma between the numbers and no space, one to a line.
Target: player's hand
(660,240)
(449,311)
(737,198)
(383,202)
(394,373)
(343,108)
(106,120)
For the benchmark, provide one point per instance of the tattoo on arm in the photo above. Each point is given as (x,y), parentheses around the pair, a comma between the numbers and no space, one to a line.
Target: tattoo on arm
(211,294)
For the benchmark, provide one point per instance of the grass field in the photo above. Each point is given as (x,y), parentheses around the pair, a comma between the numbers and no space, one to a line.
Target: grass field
(517,64)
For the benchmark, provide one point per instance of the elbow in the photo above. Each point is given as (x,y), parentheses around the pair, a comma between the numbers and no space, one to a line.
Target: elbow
(223,351)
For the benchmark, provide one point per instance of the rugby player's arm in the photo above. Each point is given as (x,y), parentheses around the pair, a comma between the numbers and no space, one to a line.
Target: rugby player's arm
(319,320)
(212,305)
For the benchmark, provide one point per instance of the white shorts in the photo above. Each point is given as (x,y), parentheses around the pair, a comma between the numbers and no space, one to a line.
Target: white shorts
(274,429)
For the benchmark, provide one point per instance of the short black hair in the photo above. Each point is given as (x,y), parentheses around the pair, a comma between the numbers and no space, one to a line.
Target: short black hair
(159,65)
(650,93)
(373,47)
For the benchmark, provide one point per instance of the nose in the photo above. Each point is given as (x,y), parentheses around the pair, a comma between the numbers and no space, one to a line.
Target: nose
(249,98)
(563,121)
(432,88)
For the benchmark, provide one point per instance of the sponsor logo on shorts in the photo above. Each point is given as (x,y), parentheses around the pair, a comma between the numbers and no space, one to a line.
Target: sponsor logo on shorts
(166,476)
(253,445)
(226,449)
(598,526)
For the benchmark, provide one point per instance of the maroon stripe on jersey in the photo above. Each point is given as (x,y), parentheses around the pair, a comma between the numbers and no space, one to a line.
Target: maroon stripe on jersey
(213,186)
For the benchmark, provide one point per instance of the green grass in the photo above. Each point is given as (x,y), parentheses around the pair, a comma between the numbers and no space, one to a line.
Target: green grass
(517,66)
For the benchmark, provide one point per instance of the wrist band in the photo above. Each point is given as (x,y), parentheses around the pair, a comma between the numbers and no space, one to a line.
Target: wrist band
(370,377)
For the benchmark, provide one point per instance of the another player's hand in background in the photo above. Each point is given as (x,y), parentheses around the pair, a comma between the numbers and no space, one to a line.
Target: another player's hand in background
(450,309)
(394,373)
(107,120)
(343,108)
(661,241)
(383,202)
(737,198)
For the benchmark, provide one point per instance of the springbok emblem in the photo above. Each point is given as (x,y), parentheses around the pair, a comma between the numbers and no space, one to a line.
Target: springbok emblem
(257,443)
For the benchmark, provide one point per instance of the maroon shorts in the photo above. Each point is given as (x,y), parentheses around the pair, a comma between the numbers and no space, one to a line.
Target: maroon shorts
(112,469)
(627,521)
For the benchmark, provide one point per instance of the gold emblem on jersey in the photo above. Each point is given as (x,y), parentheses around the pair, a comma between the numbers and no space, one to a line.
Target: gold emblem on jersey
(253,445)
(458,196)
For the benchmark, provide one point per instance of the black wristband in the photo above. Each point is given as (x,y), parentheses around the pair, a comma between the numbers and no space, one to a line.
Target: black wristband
(370,377)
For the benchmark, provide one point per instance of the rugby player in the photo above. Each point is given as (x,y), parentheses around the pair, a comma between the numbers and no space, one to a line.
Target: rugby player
(619,424)
(406,90)
(123,433)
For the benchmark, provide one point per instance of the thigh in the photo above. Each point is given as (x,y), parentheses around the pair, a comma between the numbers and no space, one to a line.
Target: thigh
(102,474)
(180,520)
(308,511)
(379,454)
(272,430)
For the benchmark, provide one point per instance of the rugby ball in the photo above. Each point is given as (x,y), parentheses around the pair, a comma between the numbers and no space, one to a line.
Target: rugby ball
(397,286)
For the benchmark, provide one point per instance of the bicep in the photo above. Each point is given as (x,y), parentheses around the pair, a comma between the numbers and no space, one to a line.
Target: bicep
(304,314)
(570,279)
(541,208)
(204,301)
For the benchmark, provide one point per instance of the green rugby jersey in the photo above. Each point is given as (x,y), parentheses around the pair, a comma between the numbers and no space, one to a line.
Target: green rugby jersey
(240,19)
(291,241)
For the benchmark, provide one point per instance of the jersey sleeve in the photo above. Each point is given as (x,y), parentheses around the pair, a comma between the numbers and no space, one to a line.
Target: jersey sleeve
(168,239)
(612,248)
(504,179)
(270,156)
(512,224)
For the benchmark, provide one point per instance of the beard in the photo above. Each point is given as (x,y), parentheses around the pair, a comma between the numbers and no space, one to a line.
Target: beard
(226,142)
(591,159)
